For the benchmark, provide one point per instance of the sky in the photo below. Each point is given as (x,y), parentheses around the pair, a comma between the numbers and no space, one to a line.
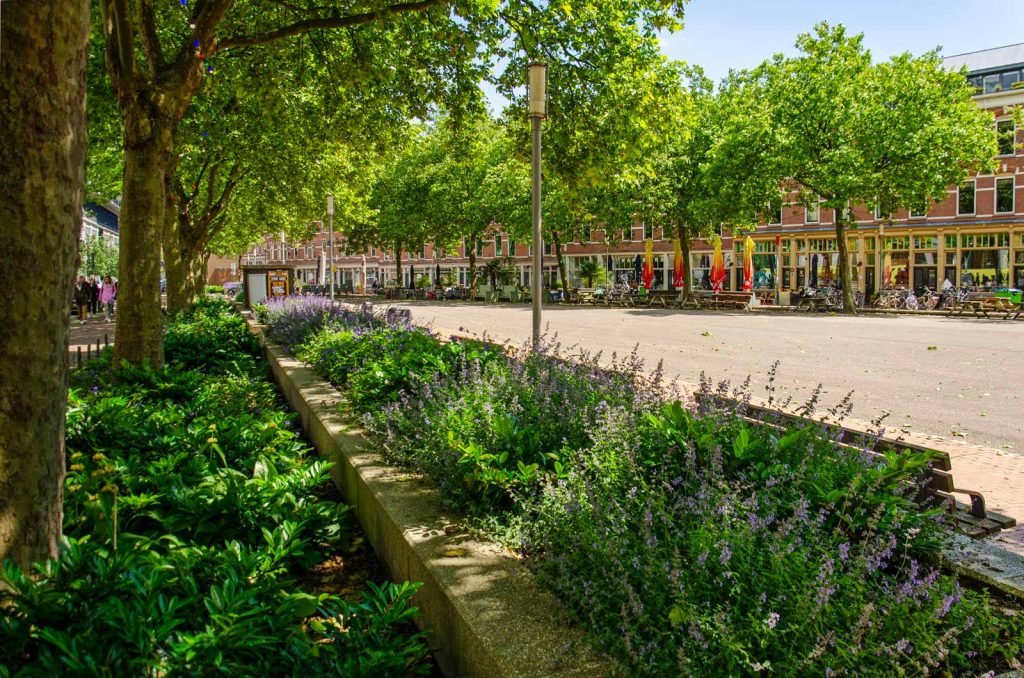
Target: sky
(723,34)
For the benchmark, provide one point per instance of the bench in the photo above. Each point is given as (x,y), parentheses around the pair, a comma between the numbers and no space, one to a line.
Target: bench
(739,301)
(662,298)
(811,303)
(980,307)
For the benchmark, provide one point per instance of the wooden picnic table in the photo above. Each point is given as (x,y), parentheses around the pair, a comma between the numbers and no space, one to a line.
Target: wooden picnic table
(811,303)
(980,307)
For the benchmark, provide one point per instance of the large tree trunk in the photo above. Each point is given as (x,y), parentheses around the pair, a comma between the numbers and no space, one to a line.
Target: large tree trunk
(139,329)
(561,264)
(398,265)
(472,268)
(42,153)
(844,266)
(684,245)
(174,265)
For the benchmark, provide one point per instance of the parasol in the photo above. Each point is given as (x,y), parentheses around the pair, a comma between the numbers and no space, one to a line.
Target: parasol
(748,264)
(717,266)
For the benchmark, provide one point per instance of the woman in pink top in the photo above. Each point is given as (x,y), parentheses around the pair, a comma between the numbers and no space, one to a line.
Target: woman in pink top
(107,295)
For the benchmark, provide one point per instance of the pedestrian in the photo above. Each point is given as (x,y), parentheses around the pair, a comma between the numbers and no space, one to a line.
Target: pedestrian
(81,297)
(108,294)
(94,294)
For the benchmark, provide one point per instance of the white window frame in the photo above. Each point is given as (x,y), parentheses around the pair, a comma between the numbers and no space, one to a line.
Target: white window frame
(1013,196)
(973,183)
(1013,138)
(817,213)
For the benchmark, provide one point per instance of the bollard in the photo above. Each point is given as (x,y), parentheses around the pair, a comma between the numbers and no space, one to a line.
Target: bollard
(98,350)
(106,340)
(88,351)
(79,356)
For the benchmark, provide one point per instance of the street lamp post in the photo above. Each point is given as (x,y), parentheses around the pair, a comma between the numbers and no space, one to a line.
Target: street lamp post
(330,231)
(536,110)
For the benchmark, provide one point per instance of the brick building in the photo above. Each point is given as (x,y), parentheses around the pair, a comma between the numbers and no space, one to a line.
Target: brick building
(975,237)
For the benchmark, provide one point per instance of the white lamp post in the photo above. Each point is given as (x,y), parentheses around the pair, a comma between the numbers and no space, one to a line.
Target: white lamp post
(330,229)
(536,110)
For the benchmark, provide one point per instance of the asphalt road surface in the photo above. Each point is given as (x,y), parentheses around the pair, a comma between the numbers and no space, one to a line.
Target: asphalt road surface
(960,379)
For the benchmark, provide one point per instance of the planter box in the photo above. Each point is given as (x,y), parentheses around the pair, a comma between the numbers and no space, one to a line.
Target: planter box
(485,614)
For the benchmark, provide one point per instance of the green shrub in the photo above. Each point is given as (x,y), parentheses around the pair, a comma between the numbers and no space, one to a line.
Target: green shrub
(192,509)
(686,542)
(213,289)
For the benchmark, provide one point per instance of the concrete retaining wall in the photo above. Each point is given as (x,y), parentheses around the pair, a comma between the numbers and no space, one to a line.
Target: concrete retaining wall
(486,615)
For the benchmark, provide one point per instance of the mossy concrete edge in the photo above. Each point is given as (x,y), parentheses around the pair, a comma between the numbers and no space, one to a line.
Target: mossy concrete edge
(485,614)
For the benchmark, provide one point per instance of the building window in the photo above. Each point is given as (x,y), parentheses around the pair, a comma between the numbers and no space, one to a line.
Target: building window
(497,246)
(992,83)
(1004,195)
(586,235)
(511,246)
(648,232)
(813,213)
(916,213)
(627,234)
(965,199)
(775,212)
(1009,79)
(479,248)
(1005,133)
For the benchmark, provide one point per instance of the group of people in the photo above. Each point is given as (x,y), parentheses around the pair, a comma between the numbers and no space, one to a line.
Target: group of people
(91,294)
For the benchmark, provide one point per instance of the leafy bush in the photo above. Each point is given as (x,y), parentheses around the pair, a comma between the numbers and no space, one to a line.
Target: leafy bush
(209,336)
(192,510)
(708,547)
(290,320)
(213,289)
(688,542)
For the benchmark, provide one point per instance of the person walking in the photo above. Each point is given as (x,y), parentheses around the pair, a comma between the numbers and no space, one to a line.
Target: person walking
(107,295)
(94,294)
(81,296)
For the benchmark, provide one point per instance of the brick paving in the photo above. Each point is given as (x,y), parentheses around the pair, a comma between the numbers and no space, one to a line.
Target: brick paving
(85,336)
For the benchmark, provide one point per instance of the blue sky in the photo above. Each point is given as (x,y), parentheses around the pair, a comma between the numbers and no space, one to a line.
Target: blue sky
(724,34)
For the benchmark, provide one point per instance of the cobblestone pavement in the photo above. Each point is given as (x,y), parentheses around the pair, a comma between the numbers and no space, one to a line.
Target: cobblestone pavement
(85,336)
(955,382)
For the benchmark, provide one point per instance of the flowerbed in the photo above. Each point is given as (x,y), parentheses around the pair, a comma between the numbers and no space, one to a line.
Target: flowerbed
(192,513)
(686,542)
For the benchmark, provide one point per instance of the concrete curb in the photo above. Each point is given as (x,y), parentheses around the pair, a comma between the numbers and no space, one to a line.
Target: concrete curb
(485,614)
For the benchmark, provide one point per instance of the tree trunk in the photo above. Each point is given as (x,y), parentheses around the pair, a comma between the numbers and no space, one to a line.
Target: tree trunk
(174,265)
(844,266)
(42,153)
(139,330)
(398,264)
(472,268)
(561,264)
(197,274)
(684,245)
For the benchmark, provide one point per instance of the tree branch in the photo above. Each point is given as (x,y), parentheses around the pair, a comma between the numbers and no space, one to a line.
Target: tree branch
(117,31)
(306,25)
(149,38)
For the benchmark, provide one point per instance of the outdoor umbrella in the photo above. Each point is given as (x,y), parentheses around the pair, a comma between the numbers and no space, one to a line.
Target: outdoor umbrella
(748,264)
(648,263)
(437,273)
(412,277)
(717,267)
(638,266)
(611,266)
(814,271)
(887,269)
(826,273)
(678,270)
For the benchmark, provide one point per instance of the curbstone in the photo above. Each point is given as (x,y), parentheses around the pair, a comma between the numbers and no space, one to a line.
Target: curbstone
(485,613)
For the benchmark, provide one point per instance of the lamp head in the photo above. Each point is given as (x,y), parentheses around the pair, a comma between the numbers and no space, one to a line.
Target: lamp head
(330,204)
(537,82)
